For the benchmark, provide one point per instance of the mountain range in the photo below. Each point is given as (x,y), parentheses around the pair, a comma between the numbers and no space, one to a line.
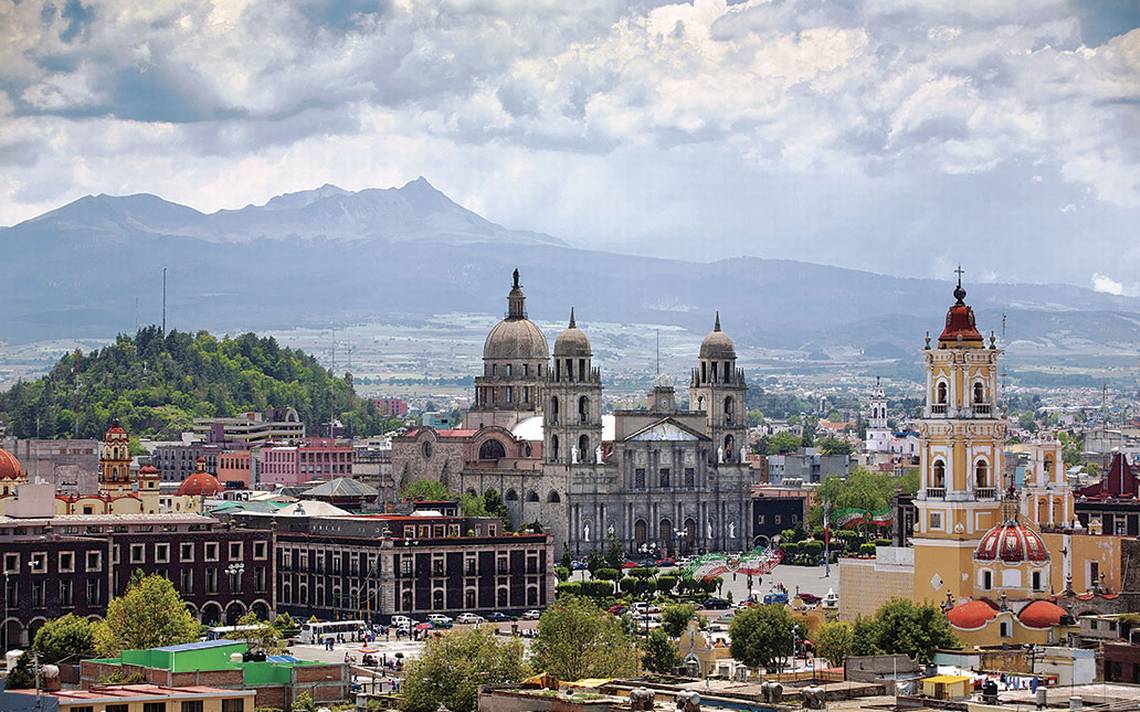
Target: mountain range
(93,268)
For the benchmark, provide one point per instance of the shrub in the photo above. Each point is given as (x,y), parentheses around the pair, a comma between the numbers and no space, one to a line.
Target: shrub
(790,548)
(867,549)
(562,572)
(643,572)
(812,548)
(569,588)
(597,589)
(628,585)
(607,574)
(883,542)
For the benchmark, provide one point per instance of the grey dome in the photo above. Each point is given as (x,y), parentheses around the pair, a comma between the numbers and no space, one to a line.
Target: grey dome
(572,341)
(717,346)
(516,340)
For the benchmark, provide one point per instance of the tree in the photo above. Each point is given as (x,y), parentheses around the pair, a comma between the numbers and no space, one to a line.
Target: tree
(67,638)
(453,667)
(783,443)
(425,490)
(259,636)
(22,676)
(833,642)
(865,637)
(911,629)
(149,614)
(674,619)
(576,639)
(761,636)
(496,507)
(595,562)
(658,653)
(615,554)
(474,506)
(834,446)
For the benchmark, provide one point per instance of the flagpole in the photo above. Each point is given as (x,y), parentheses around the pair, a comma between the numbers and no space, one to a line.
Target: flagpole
(826,537)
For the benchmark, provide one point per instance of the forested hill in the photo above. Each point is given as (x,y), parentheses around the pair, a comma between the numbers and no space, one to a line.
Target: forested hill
(156,385)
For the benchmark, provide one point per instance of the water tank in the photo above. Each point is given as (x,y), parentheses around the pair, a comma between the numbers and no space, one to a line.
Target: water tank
(236,657)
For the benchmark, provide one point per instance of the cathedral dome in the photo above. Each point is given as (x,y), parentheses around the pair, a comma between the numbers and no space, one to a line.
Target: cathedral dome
(971,614)
(10,467)
(1041,614)
(200,484)
(1011,543)
(717,346)
(516,340)
(572,341)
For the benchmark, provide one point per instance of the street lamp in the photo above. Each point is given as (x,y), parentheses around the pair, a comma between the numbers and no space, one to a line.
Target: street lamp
(795,633)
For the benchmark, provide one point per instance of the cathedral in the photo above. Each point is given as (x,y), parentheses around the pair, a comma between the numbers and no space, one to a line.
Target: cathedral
(660,479)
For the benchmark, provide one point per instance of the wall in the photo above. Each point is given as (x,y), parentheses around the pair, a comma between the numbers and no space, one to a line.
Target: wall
(866,584)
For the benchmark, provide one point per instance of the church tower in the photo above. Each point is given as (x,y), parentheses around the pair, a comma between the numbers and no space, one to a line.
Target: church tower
(878,434)
(572,413)
(961,439)
(717,389)
(115,464)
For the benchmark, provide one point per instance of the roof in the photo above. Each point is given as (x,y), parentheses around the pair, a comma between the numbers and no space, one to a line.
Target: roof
(1118,481)
(572,341)
(531,430)
(200,645)
(1041,614)
(1011,543)
(971,614)
(947,679)
(311,508)
(960,321)
(10,467)
(342,487)
(516,338)
(717,344)
(199,484)
(124,693)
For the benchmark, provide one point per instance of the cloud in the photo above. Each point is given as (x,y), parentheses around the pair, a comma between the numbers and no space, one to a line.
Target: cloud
(884,134)
(1108,285)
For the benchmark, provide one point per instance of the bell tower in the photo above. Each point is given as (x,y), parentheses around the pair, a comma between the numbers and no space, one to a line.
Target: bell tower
(717,388)
(115,464)
(572,412)
(961,439)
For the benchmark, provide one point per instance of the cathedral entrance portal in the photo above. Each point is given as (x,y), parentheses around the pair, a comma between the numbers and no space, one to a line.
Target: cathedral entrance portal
(690,537)
(665,536)
(640,534)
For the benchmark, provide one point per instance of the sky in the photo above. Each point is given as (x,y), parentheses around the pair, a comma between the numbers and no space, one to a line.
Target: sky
(897,136)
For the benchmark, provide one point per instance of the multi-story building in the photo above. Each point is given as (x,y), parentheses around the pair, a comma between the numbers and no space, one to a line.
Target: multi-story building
(1112,506)
(776,508)
(75,563)
(807,466)
(131,698)
(235,468)
(71,465)
(316,459)
(391,407)
(663,478)
(249,429)
(177,461)
(428,561)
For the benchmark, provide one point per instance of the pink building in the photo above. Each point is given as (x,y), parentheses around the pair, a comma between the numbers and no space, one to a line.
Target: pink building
(317,459)
(391,407)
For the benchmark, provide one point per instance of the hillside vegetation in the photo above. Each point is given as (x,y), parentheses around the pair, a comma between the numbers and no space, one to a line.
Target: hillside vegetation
(157,384)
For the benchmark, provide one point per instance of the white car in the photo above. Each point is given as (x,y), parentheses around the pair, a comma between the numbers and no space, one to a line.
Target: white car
(532,615)
(470,619)
(402,622)
(439,620)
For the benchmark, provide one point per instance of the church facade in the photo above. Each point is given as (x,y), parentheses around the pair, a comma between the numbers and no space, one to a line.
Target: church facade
(663,479)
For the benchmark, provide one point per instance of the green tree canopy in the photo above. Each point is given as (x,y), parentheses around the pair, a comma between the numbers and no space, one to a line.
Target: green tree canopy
(659,654)
(761,636)
(260,636)
(22,676)
(863,489)
(675,618)
(783,444)
(425,489)
(149,614)
(452,667)
(67,638)
(833,642)
(913,629)
(834,446)
(576,639)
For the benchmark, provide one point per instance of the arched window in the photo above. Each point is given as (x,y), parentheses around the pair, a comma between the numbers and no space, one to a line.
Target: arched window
(532,496)
(939,473)
(554,410)
(437,599)
(553,496)
(700,402)
(981,474)
(1049,474)
(940,398)
(531,596)
(511,496)
(979,392)
(729,445)
(427,449)
(492,450)
(554,448)
(501,598)
(583,448)
(469,598)
(583,409)
(728,409)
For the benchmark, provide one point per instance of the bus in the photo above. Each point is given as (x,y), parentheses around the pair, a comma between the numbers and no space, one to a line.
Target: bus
(224,631)
(314,633)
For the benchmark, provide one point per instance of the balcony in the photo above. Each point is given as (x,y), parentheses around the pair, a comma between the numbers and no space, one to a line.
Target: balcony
(935,492)
(985,492)
(938,409)
(983,409)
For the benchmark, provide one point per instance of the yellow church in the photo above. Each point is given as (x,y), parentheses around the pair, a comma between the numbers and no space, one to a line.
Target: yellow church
(996,558)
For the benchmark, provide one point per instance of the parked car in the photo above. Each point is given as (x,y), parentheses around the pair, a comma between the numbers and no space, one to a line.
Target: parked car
(776,597)
(642,608)
(577,565)
(809,598)
(665,562)
(532,615)
(617,609)
(499,617)
(629,565)
(402,622)
(439,620)
(716,604)
(469,619)
(647,562)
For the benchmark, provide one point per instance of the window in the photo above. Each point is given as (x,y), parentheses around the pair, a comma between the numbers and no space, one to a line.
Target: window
(427,450)
(759,518)
(639,478)
(492,450)
(981,475)
(437,567)
(211,580)
(66,561)
(690,478)
(939,474)
(940,398)
(84,708)
(235,550)
(777,519)
(161,553)
(583,409)
(260,550)
(406,564)
(138,553)
(235,705)
(211,551)
(510,394)
(987,580)
(11,563)
(38,563)
(469,567)
(66,592)
(192,706)
(663,477)
(979,393)
(1036,580)
(114,708)
(554,410)
(94,561)
(935,520)
(1006,629)
(94,594)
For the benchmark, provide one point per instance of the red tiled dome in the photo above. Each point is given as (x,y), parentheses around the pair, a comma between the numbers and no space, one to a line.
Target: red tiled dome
(971,614)
(200,484)
(10,467)
(1012,543)
(148,471)
(1041,614)
(960,321)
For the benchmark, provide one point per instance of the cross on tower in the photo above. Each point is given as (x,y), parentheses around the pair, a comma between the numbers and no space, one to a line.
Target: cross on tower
(960,272)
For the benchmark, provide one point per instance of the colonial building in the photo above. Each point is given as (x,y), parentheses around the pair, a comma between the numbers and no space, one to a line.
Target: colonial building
(662,478)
